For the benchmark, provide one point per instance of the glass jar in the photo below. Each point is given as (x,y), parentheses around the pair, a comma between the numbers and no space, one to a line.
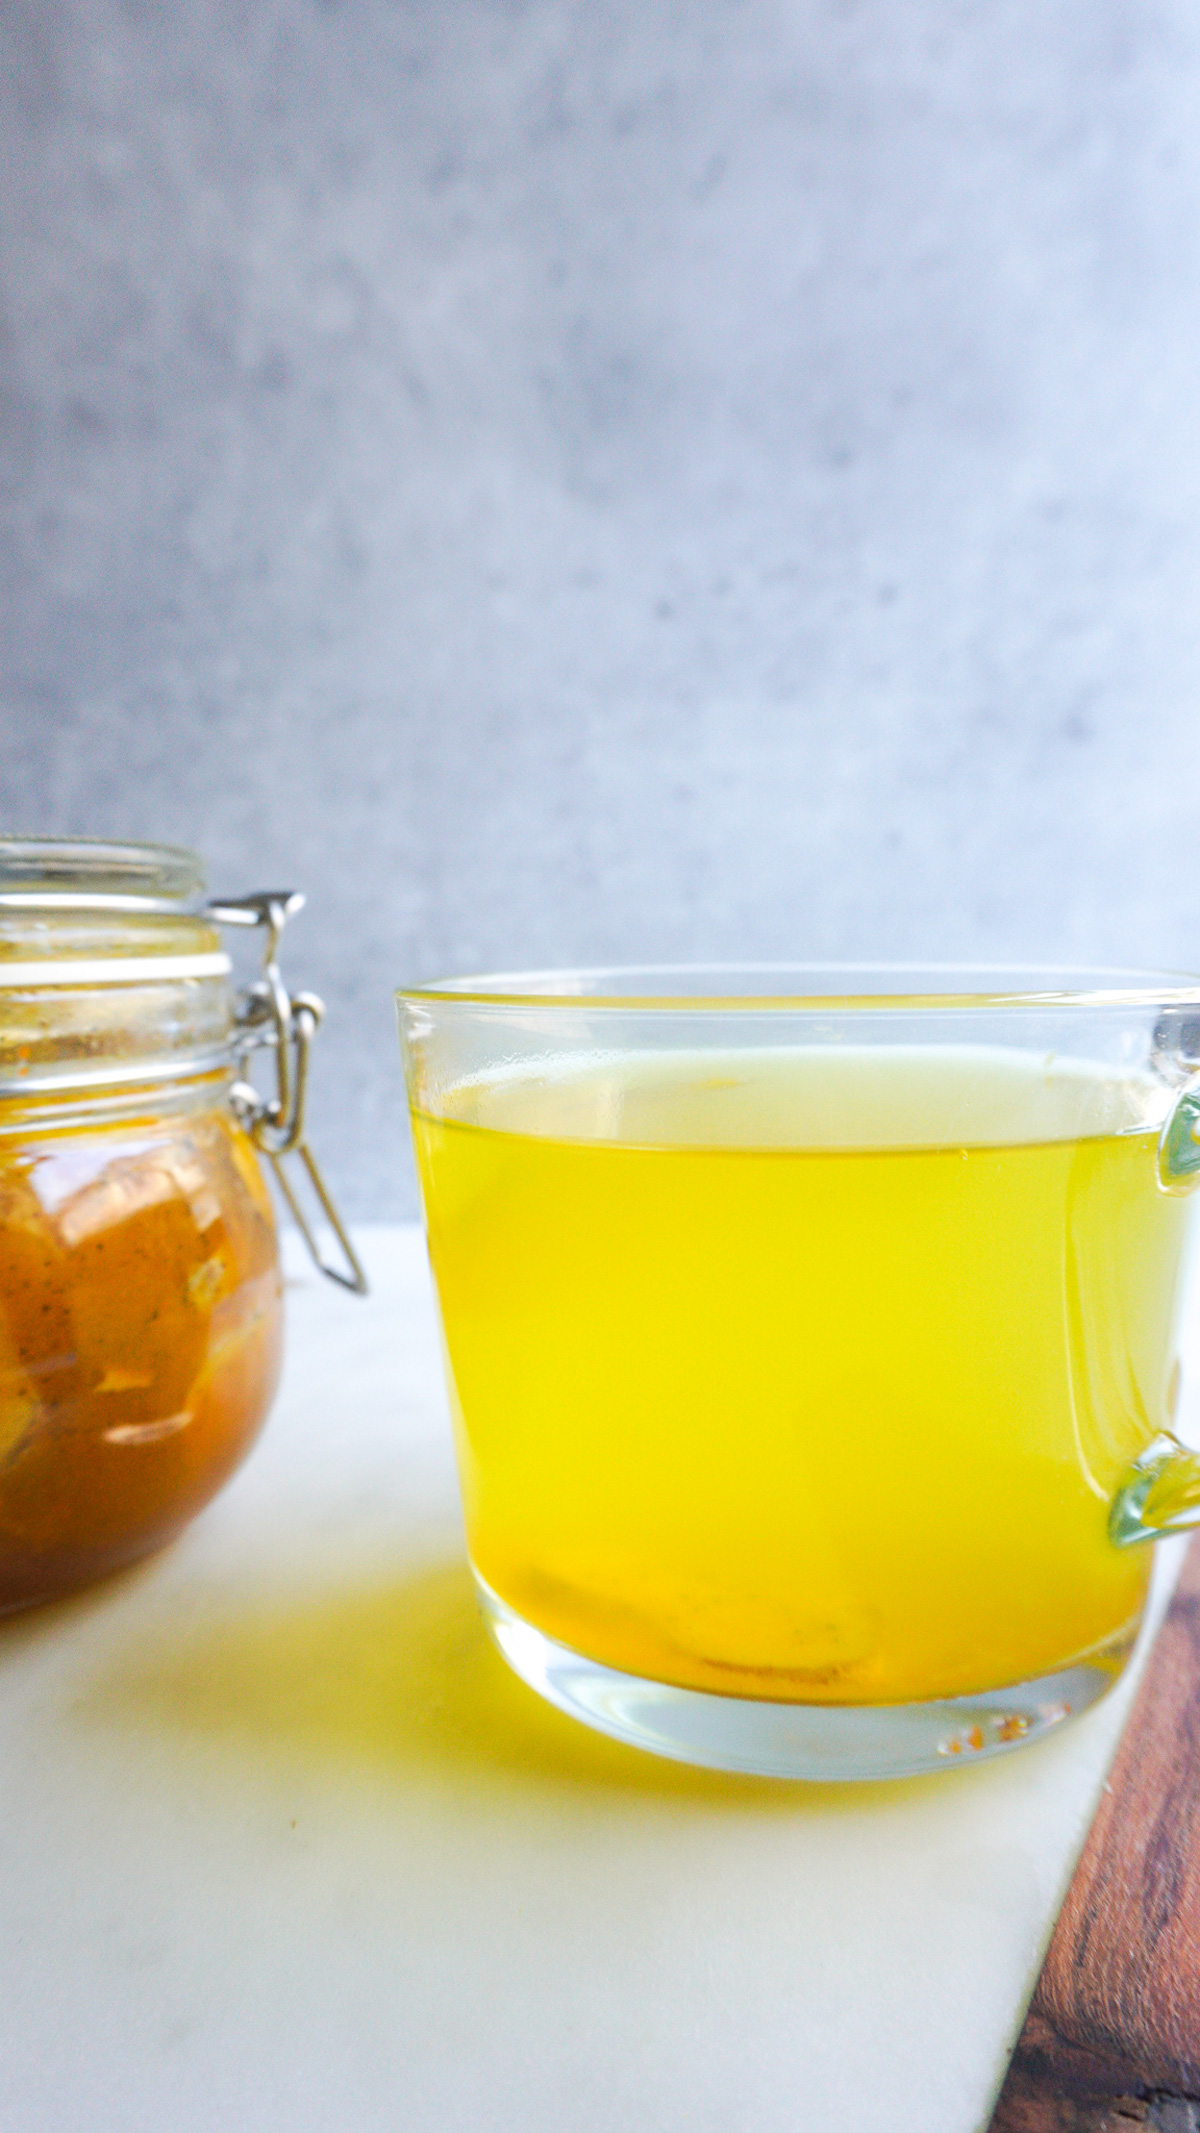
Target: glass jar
(140,1295)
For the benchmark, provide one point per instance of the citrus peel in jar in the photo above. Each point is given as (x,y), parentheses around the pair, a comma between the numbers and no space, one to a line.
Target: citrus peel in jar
(140,1338)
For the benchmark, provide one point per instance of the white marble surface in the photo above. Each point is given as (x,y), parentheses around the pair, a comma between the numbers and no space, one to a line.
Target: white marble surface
(282,1845)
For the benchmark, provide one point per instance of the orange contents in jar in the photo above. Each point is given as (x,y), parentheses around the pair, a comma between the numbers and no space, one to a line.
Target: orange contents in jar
(140,1334)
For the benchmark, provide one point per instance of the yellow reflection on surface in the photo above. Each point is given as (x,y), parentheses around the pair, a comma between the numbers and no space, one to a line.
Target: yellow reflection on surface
(397,1678)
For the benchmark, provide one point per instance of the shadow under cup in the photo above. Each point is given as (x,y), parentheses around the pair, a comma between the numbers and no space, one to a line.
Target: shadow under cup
(811,1341)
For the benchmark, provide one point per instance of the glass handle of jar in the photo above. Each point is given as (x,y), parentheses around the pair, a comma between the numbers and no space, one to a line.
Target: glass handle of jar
(271,1017)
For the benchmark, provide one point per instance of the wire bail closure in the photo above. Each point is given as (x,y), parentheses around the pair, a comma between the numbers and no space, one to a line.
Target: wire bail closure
(268,1017)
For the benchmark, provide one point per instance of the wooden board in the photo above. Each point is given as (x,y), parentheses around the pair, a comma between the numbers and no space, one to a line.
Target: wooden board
(1115,2018)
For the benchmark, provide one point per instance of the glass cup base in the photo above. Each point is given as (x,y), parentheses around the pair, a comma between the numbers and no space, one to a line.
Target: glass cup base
(830,1742)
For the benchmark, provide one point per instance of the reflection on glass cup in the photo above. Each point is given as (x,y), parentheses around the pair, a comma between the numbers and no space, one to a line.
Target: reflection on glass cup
(811,1342)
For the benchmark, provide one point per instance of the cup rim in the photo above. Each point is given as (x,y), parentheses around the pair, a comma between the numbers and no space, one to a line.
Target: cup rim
(809,987)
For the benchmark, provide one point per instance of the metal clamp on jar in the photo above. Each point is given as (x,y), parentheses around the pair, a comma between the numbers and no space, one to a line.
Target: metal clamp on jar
(140,1290)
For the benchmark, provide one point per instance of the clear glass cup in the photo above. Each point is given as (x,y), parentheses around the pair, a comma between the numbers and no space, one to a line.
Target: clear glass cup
(812,1342)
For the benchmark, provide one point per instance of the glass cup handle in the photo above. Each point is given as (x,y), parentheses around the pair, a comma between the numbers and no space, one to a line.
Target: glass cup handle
(1159,1495)
(1161,1490)
(1179,1141)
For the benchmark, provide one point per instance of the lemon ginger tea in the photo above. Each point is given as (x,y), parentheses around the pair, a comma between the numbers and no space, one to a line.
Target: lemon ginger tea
(807,1376)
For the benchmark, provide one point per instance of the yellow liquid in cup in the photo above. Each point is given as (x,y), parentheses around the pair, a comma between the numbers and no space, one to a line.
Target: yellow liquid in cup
(806,1376)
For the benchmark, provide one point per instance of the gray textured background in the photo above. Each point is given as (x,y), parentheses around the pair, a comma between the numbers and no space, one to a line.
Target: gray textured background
(571,481)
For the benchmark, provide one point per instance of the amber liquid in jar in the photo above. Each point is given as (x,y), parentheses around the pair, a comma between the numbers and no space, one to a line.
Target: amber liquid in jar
(140,1331)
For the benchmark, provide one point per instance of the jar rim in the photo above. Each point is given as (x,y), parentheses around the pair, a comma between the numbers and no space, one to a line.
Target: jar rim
(98,874)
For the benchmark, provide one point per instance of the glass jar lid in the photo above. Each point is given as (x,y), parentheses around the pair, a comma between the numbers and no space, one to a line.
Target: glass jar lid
(89,874)
(111,968)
